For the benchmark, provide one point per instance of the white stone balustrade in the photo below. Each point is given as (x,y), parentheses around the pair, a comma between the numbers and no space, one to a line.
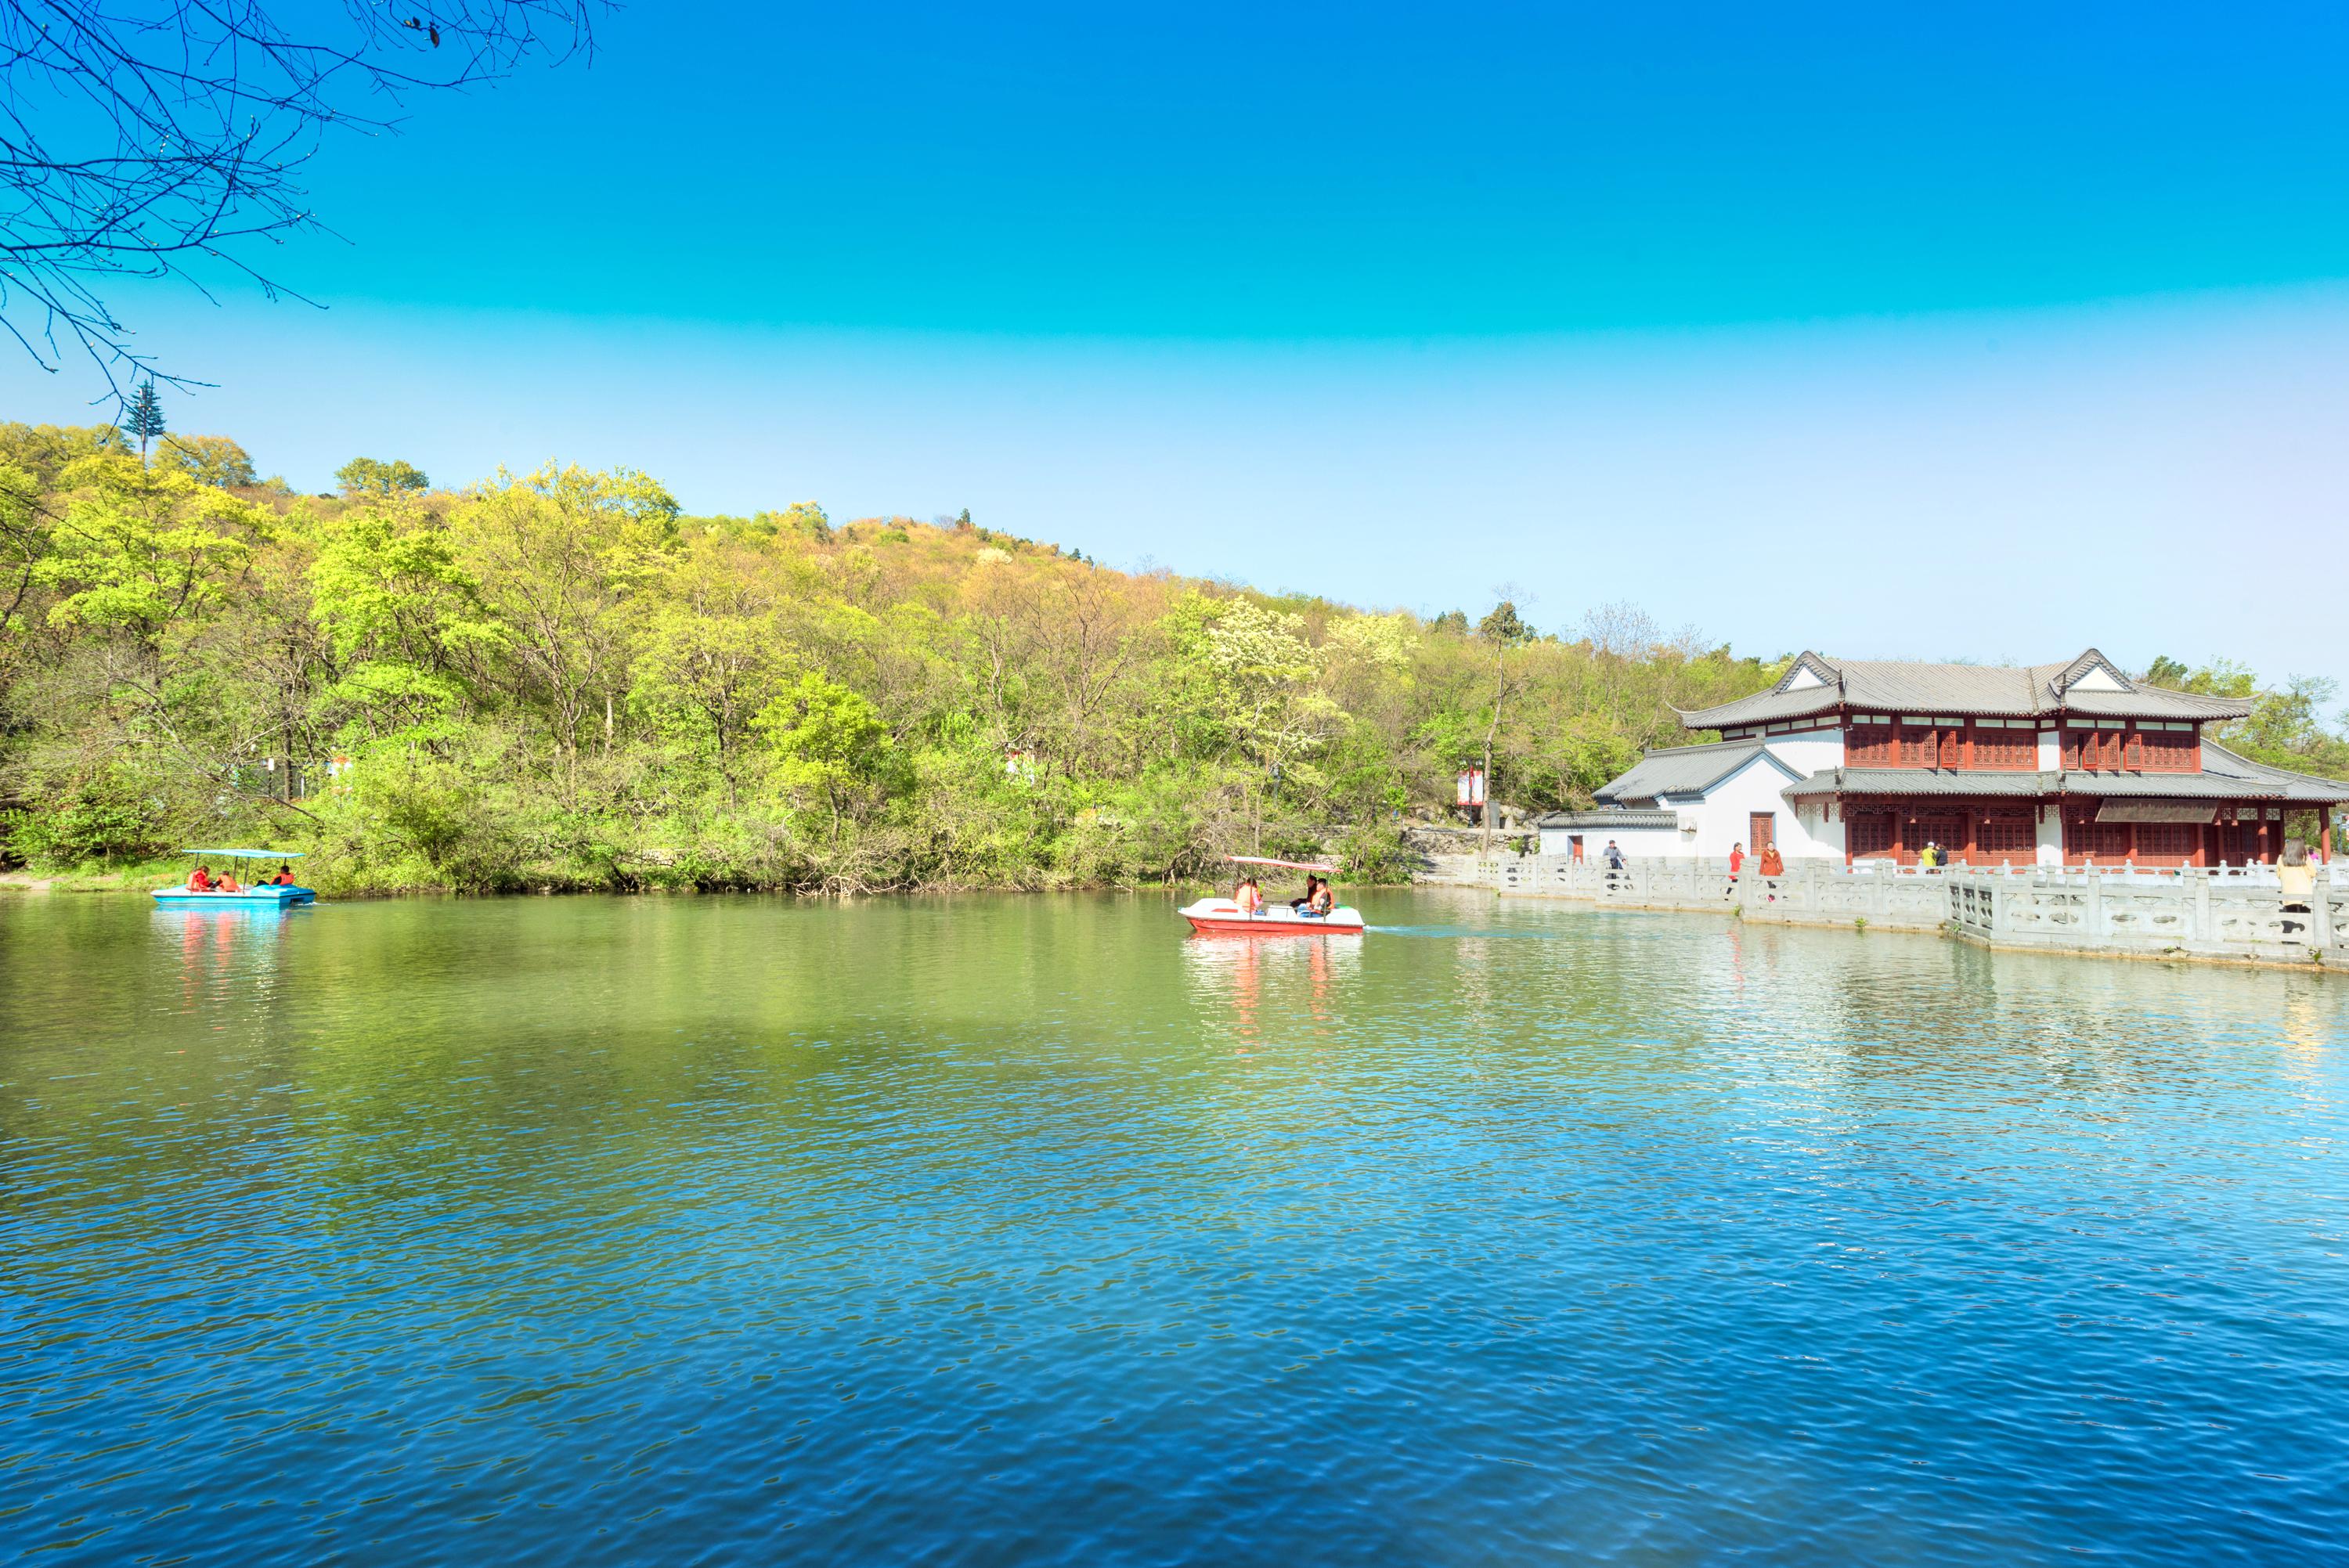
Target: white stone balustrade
(2236,913)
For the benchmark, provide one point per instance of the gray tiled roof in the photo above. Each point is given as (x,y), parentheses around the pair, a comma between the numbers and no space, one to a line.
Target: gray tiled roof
(1608,821)
(1683,771)
(1921,781)
(2218,761)
(2225,777)
(1965,690)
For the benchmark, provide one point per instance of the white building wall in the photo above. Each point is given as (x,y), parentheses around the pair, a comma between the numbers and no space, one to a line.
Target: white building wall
(1807,754)
(2050,837)
(1723,817)
(2051,750)
(1637,843)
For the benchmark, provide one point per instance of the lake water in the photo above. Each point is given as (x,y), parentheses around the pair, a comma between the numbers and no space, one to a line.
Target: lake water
(1033,1230)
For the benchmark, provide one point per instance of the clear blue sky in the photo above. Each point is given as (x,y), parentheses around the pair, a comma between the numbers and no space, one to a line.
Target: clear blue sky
(1892,331)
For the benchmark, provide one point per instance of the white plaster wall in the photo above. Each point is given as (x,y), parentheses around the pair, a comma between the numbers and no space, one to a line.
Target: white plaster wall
(1723,820)
(2051,832)
(1804,677)
(1637,843)
(1807,754)
(2051,750)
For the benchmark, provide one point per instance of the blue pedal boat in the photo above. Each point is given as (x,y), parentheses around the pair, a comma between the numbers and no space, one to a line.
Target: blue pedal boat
(268,895)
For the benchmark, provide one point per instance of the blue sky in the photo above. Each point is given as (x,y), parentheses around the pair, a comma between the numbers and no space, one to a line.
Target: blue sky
(1978,333)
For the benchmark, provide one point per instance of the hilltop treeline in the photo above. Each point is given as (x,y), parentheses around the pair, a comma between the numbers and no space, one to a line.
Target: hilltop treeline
(559,679)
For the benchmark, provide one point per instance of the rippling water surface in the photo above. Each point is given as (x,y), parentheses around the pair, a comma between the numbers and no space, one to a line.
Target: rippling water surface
(1030,1231)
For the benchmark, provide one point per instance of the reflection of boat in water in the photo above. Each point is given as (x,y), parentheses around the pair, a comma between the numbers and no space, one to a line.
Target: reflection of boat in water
(1222,916)
(268,895)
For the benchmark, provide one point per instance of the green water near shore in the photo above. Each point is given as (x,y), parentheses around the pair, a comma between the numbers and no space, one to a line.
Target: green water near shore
(991,1229)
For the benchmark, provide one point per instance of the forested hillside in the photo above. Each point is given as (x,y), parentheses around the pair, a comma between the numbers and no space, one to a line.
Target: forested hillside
(559,680)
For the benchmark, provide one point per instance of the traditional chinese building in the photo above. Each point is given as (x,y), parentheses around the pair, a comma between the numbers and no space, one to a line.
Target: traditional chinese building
(2052,764)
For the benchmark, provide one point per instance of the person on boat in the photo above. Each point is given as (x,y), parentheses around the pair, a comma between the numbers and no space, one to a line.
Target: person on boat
(1300,904)
(201,879)
(1249,897)
(285,877)
(1323,899)
(226,882)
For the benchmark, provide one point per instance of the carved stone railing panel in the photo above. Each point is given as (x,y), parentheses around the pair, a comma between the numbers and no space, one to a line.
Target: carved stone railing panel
(2234,912)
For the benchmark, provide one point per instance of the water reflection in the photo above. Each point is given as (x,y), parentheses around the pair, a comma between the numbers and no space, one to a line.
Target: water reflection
(1300,979)
(1037,1232)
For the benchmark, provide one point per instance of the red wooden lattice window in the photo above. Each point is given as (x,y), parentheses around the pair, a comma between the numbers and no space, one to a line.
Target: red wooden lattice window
(2108,841)
(2003,747)
(1869,833)
(1869,746)
(2095,749)
(1949,831)
(1920,746)
(2007,838)
(2171,751)
(2167,843)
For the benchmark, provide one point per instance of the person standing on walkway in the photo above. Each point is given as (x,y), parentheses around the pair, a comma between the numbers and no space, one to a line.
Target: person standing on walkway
(1736,859)
(2295,878)
(1772,864)
(1614,857)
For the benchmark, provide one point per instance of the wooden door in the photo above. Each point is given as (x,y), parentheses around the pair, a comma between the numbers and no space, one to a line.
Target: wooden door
(1946,829)
(1760,832)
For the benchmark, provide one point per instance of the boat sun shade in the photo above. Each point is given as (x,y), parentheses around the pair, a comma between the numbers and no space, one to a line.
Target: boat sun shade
(1291,865)
(247,854)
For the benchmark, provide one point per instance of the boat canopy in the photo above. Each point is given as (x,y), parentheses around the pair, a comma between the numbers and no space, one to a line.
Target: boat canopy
(247,854)
(1291,865)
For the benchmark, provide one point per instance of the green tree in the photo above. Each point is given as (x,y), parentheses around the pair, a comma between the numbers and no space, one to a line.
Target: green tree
(45,451)
(376,477)
(141,549)
(1501,630)
(143,415)
(828,743)
(558,555)
(207,459)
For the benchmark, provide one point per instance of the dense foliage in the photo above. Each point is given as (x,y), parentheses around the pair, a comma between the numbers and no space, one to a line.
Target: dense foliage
(558,680)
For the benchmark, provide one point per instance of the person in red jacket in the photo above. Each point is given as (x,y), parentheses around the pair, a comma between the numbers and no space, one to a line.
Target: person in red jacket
(1736,859)
(201,879)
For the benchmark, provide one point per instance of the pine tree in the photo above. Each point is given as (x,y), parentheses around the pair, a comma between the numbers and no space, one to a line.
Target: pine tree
(143,415)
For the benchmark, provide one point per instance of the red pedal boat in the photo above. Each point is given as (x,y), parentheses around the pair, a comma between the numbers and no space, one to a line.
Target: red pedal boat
(1222,916)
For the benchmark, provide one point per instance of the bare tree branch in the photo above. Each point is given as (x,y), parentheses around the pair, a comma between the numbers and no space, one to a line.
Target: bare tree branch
(159,138)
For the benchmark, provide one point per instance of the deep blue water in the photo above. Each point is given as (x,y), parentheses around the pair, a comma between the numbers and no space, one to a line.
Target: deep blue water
(1002,1231)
